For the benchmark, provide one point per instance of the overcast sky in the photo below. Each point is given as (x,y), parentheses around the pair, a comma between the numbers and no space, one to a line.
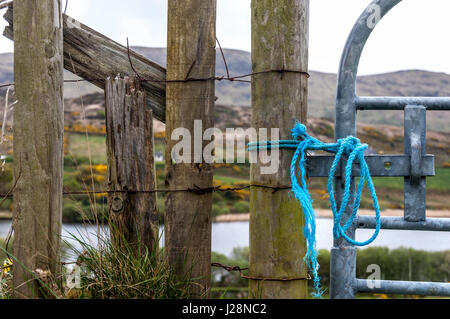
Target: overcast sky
(414,35)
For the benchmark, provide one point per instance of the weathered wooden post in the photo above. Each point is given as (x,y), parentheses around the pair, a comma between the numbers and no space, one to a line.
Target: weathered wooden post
(38,141)
(277,247)
(190,54)
(131,165)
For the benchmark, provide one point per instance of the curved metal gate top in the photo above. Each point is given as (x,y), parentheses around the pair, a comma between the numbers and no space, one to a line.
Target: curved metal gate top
(414,165)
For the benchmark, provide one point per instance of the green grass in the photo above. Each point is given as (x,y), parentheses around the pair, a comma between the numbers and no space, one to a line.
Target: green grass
(440,182)
(78,147)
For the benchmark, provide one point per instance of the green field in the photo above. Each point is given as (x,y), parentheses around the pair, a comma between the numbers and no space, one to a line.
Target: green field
(85,170)
(93,147)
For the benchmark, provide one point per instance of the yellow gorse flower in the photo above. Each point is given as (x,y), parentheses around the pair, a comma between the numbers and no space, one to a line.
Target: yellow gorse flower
(7,265)
(101,168)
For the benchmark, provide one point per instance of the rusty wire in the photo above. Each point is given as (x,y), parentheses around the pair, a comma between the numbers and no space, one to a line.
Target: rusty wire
(240,270)
(196,190)
(237,78)
(214,265)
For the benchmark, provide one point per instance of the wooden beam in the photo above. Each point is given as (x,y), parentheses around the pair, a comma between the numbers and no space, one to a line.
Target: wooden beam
(131,166)
(95,57)
(38,143)
(277,246)
(190,53)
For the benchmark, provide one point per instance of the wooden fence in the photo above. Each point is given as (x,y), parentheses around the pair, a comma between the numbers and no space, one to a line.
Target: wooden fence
(137,90)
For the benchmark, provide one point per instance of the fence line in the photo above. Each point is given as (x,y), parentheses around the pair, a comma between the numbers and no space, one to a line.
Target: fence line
(197,190)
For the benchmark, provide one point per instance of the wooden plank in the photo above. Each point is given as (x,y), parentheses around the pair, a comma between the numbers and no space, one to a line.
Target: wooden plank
(38,143)
(95,57)
(190,53)
(131,165)
(277,246)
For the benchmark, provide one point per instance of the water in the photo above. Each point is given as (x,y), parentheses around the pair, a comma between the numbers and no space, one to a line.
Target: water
(226,236)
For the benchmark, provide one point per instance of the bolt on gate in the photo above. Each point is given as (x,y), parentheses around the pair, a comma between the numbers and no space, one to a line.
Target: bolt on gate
(415,165)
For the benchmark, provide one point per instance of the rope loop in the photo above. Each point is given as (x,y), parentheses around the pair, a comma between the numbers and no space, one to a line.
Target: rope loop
(350,147)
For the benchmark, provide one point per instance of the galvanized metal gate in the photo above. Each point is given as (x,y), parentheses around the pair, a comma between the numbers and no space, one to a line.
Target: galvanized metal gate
(414,166)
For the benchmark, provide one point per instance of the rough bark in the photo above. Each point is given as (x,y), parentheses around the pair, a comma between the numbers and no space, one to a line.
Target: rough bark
(190,53)
(38,142)
(277,246)
(131,166)
(95,57)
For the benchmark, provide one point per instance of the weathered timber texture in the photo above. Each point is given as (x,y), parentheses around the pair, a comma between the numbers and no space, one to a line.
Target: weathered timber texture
(190,53)
(131,165)
(277,246)
(38,142)
(95,57)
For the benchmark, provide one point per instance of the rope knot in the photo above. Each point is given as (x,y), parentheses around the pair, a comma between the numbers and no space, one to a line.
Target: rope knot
(349,144)
(299,131)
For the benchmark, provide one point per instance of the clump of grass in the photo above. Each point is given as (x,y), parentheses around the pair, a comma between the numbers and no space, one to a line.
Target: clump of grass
(127,272)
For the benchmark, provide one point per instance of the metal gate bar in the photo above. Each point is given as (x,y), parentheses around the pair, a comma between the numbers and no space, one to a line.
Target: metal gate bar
(379,165)
(414,166)
(398,103)
(404,287)
(430,224)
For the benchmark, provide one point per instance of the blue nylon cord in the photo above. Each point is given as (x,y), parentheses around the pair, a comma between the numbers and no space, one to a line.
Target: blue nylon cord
(353,149)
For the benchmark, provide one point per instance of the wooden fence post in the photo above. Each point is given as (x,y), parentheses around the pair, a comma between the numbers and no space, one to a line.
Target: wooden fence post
(277,246)
(131,165)
(38,142)
(190,54)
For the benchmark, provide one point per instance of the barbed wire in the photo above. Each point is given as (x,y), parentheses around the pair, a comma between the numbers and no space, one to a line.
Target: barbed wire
(237,78)
(240,270)
(213,265)
(195,190)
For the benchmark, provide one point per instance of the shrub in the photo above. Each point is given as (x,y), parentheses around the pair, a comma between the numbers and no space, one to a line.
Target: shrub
(6,177)
(241,207)
(218,210)
(72,212)
(119,273)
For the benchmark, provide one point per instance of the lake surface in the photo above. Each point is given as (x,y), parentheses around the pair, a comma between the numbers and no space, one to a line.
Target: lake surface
(226,236)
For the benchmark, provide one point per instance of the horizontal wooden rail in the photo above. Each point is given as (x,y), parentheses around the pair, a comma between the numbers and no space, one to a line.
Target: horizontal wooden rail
(94,57)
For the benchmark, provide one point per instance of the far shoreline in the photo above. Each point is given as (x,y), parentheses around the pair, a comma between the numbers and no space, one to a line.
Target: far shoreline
(326,213)
(320,213)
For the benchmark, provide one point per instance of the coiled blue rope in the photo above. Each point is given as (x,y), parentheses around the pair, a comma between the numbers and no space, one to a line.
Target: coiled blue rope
(353,149)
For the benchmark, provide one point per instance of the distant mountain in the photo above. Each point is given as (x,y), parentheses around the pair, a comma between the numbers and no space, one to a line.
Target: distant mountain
(322,87)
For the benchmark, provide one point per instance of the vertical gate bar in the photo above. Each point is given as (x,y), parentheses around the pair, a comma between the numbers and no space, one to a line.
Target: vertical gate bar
(415,146)
(343,255)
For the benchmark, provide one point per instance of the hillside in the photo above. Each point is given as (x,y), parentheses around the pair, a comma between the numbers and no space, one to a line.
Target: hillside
(382,138)
(322,87)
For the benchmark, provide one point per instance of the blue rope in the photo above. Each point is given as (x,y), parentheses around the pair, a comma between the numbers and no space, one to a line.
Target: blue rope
(353,149)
